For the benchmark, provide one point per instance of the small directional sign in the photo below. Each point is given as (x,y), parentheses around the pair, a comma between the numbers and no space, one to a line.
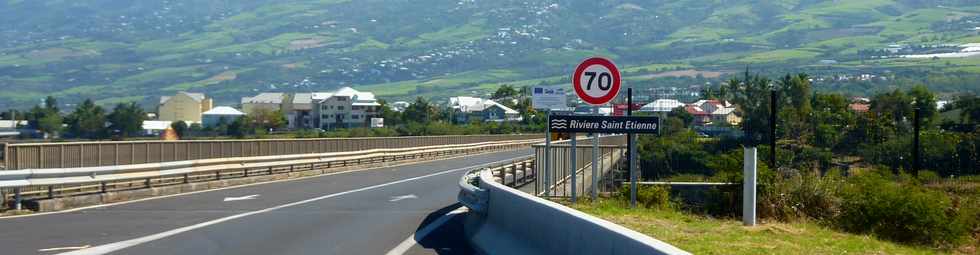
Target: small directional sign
(604,124)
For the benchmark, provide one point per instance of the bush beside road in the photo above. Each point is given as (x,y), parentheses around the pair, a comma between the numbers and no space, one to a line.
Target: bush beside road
(707,235)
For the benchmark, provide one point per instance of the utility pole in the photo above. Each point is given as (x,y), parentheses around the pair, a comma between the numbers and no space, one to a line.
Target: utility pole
(772,129)
(916,161)
(631,149)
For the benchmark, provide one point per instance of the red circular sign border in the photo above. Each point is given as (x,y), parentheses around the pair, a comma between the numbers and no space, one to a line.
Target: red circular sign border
(577,84)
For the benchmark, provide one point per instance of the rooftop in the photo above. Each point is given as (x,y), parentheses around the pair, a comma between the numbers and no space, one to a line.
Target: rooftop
(223,110)
(264,98)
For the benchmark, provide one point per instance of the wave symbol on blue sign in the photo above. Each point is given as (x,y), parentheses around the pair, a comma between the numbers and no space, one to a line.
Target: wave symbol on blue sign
(559,124)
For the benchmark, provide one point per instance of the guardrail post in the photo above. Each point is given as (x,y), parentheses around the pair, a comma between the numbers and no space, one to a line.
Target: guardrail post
(50,191)
(187,178)
(17,199)
(102,187)
(270,170)
(217,175)
(148,183)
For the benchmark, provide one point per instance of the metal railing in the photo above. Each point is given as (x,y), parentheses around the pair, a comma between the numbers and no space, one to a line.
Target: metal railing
(51,183)
(555,178)
(516,173)
(91,154)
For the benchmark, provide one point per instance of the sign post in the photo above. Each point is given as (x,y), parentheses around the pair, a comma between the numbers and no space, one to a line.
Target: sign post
(596,81)
(548,99)
(595,159)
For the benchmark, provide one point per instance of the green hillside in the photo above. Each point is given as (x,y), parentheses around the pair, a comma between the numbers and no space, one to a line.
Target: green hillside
(116,51)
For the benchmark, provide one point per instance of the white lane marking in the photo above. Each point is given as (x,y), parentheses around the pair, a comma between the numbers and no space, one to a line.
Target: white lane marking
(107,248)
(413,239)
(400,198)
(394,169)
(241,198)
(65,248)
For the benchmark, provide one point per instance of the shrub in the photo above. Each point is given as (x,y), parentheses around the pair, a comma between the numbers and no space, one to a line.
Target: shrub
(649,196)
(901,212)
(800,196)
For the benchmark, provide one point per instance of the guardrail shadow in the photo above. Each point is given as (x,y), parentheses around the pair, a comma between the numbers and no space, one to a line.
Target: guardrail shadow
(448,238)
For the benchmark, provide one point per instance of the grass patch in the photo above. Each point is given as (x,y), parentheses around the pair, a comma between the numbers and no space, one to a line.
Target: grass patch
(704,235)
(779,55)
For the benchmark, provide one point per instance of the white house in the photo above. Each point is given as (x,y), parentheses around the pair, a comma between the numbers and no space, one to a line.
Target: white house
(466,109)
(661,105)
(220,114)
(155,127)
(344,108)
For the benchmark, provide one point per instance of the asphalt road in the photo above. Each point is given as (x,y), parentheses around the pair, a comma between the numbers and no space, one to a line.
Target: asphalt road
(408,209)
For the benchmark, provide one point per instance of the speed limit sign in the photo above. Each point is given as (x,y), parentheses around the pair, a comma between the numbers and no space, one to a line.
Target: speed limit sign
(596,81)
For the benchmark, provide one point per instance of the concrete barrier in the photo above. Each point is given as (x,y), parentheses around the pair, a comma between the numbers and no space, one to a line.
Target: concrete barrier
(514,222)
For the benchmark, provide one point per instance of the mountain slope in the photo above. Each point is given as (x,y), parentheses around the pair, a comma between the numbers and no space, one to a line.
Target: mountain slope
(136,50)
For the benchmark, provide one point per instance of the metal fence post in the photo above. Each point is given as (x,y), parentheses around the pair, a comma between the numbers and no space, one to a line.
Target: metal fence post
(749,187)
(17,199)
(573,169)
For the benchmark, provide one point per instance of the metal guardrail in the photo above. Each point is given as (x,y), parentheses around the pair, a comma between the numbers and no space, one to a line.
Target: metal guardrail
(91,154)
(51,183)
(513,174)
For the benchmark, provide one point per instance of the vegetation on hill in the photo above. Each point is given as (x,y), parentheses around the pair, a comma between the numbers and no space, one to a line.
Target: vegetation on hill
(115,51)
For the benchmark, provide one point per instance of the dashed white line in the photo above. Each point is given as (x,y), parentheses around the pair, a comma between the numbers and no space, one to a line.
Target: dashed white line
(69,248)
(112,247)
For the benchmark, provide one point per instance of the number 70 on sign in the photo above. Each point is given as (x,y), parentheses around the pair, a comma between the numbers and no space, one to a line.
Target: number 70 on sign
(596,81)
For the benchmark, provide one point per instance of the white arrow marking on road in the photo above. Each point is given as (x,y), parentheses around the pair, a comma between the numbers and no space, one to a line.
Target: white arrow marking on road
(69,248)
(241,198)
(400,198)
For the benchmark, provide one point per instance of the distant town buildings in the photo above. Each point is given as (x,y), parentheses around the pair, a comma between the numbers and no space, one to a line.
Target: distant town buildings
(468,109)
(399,106)
(344,108)
(299,110)
(264,101)
(661,105)
(183,106)
(220,115)
(713,112)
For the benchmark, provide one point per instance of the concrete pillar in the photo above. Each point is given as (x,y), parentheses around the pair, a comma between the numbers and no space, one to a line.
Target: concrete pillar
(749,187)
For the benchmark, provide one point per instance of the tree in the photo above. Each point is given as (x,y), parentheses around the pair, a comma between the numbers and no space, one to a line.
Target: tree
(420,111)
(504,92)
(969,106)
(51,104)
(391,117)
(88,121)
(751,95)
(237,128)
(895,105)
(681,113)
(47,119)
(796,110)
(180,127)
(266,119)
(925,101)
(127,119)
(50,124)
